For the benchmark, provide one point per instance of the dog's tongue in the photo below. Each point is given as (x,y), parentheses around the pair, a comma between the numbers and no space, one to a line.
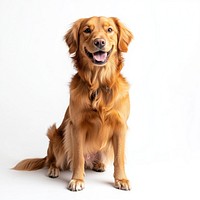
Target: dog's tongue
(100,56)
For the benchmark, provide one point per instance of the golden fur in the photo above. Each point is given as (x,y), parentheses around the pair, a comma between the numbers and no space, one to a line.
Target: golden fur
(94,127)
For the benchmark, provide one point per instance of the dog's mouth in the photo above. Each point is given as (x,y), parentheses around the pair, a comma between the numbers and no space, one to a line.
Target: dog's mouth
(99,57)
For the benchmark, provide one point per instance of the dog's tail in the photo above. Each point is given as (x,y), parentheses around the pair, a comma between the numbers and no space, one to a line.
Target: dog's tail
(38,163)
(31,164)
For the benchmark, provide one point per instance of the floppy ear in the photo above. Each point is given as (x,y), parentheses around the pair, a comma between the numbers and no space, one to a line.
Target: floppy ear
(71,37)
(125,36)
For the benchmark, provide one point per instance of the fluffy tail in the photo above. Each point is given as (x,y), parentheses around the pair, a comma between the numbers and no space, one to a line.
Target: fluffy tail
(31,164)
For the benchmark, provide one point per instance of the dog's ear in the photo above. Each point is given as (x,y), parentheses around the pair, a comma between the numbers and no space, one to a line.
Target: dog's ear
(72,37)
(125,36)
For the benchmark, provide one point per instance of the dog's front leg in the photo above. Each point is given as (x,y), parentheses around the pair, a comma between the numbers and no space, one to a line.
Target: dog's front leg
(77,181)
(121,181)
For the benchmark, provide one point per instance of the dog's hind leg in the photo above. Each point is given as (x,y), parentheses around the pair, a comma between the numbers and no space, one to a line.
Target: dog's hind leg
(53,171)
(98,167)
(98,163)
(52,158)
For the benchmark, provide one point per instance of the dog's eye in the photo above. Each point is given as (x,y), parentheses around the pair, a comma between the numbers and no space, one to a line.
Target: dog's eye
(110,30)
(87,30)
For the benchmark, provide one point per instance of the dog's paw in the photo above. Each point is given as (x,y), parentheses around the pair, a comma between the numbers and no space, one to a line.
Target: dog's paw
(76,185)
(53,172)
(99,167)
(122,184)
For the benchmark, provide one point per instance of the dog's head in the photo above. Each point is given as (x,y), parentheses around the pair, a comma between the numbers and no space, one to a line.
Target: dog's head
(98,39)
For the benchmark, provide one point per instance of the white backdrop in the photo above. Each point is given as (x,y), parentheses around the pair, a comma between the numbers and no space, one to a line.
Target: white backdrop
(162,66)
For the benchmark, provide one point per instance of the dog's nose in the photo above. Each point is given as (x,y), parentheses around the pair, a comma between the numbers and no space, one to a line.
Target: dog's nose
(99,42)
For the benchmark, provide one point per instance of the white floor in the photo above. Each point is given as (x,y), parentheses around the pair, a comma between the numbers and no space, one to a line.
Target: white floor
(164,180)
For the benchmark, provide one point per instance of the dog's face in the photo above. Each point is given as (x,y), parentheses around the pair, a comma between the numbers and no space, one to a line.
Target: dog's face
(97,39)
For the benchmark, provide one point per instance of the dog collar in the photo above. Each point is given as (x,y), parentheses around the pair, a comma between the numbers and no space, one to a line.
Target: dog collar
(94,95)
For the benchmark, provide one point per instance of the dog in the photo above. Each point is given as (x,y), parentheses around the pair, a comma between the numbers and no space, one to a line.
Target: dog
(94,127)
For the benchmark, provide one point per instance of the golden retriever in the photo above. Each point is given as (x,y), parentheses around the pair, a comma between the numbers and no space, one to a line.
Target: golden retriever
(94,127)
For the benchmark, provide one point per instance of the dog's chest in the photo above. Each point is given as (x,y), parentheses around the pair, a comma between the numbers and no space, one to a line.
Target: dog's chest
(100,98)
